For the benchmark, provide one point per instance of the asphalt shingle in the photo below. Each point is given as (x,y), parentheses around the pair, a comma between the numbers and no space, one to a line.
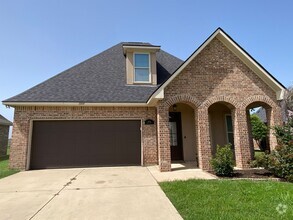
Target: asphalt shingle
(4,121)
(100,79)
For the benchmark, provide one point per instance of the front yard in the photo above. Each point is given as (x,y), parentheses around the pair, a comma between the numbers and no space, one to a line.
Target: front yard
(231,199)
(4,170)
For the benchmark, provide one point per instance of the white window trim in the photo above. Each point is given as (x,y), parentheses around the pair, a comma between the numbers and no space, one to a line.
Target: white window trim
(229,132)
(150,74)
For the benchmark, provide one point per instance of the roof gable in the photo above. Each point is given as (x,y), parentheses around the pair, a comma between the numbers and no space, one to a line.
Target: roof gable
(239,52)
(4,121)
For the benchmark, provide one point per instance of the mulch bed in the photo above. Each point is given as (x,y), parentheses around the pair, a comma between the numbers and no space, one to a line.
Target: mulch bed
(257,174)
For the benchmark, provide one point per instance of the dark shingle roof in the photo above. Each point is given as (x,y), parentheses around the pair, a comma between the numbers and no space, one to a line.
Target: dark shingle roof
(100,79)
(4,121)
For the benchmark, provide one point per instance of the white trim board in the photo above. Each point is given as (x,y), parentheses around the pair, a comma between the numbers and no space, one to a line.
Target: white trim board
(107,104)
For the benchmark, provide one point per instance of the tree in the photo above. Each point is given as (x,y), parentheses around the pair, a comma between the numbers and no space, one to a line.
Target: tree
(259,130)
(289,98)
(284,133)
(280,160)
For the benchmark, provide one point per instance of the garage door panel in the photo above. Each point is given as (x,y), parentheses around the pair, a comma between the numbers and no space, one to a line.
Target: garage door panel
(124,154)
(85,143)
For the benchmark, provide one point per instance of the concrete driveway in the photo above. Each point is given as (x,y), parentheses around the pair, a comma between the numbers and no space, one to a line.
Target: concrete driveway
(91,193)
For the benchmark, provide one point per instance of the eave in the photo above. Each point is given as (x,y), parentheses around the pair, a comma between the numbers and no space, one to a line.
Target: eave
(74,104)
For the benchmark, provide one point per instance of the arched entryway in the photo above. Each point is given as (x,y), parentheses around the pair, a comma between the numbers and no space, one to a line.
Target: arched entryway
(221,127)
(182,133)
(264,112)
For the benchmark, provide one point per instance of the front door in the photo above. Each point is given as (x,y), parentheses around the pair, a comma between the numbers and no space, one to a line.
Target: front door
(175,136)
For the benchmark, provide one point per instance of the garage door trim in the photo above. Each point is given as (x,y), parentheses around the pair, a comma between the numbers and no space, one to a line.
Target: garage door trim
(28,161)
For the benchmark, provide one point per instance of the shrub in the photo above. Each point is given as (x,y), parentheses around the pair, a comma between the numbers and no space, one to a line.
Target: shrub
(261,160)
(280,162)
(222,162)
(284,133)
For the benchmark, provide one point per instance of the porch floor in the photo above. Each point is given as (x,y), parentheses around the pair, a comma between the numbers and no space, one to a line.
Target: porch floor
(180,171)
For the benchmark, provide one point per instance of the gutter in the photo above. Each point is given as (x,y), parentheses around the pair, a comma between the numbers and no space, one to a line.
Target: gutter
(15,104)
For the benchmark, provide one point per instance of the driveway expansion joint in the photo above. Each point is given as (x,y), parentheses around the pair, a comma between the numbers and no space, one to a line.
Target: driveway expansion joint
(68,183)
(111,187)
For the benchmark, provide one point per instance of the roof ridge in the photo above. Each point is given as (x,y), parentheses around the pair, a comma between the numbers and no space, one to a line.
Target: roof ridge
(137,43)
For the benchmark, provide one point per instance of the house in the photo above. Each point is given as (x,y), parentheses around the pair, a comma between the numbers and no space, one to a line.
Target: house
(4,132)
(135,104)
(261,113)
(286,113)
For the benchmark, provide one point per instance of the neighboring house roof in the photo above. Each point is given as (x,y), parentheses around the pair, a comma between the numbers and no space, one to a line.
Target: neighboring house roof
(4,121)
(100,79)
(261,113)
(268,78)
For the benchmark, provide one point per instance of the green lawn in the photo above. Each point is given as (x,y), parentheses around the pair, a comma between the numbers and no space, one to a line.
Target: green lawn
(4,170)
(230,199)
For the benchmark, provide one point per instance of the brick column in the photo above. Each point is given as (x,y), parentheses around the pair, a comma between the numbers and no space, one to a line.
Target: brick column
(273,118)
(249,130)
(204,144)
(19,143)
(196,134)
(241,138)
(164,149)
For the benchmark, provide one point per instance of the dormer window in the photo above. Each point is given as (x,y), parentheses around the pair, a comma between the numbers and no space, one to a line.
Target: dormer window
(141,63)
(142,73)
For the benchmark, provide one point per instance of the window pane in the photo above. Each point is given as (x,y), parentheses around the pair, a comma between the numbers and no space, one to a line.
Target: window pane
(173,133)
(229,123)
(231,138)
(142,75)
(141,60)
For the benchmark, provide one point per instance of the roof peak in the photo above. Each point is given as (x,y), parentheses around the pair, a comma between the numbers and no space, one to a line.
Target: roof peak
(138,44)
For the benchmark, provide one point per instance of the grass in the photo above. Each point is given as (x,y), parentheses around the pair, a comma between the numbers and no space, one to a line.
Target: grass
(230,199)
(4,169)
(258,153)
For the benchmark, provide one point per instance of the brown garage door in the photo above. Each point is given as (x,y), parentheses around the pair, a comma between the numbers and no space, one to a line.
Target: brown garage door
(57,144)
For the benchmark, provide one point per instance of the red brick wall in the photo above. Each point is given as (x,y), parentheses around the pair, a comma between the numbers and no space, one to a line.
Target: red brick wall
(24,115)
(216,71)
(216,74)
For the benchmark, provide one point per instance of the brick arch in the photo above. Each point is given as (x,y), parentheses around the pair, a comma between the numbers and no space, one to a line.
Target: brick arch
(207,103)
(183,98)
(258,98)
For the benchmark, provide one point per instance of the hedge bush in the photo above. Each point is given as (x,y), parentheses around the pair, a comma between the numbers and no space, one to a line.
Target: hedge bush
(222,162)
(280,160)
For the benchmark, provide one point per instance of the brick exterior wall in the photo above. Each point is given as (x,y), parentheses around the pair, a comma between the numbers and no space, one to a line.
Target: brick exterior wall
(4,131)
(23,117)
(216,75)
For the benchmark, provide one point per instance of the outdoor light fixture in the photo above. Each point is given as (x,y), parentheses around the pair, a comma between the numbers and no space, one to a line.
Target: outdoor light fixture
(174,108)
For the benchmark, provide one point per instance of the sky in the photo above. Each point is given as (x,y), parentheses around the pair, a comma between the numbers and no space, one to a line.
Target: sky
(39,39)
